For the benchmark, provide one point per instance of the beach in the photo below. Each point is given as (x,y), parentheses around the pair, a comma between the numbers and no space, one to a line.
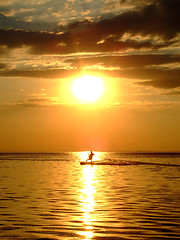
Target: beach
(51,196)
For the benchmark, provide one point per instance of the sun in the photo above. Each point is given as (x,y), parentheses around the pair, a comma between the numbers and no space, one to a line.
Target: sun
(88,88)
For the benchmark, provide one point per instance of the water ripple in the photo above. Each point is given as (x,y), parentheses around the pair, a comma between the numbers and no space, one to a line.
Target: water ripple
(57,198)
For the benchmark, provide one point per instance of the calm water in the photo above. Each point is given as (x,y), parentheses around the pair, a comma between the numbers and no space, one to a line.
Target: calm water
(51,196)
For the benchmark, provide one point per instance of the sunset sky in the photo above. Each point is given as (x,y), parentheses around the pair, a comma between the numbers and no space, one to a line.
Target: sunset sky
(131,46)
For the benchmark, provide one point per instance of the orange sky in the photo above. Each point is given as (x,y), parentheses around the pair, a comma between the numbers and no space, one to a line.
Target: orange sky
(131,45)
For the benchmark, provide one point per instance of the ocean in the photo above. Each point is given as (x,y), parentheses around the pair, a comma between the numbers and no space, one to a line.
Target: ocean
(50,196)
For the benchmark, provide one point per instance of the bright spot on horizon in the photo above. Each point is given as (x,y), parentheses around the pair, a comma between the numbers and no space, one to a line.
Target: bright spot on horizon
(88,88)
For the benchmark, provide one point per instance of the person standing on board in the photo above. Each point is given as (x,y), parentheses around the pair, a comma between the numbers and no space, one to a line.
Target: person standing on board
(90,156)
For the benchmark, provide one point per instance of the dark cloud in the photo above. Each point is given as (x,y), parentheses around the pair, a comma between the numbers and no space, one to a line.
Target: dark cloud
(18,38)
(146,68)
(38,99)
(165,83)
(35,105)
(135,2)
(156,19)
(158,78)
(173,93)
(12,22)
(155,77)
(111,45)
(126,60)
(3,65)
(4,51)
(38,102)
(40,73)
(27,105)
(159,19)
(44,42)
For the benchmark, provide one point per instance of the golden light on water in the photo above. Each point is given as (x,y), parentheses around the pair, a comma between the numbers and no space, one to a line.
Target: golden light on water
(88,202)
(87,198)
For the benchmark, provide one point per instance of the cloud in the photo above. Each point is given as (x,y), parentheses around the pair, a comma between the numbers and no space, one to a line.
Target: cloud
(38,102)
(7,22)
(70,42)
(158,78)
(157,19)
(165,83)
(45,102)
(125,61)
(152,26)
(147,68)
(177,93)
(45,15)
(154,77)
(62,73)
(148,105)
(3,50)
(160,20)
(3,65)
(18,38)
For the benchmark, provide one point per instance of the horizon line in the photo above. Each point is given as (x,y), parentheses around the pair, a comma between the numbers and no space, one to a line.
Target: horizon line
(111,151)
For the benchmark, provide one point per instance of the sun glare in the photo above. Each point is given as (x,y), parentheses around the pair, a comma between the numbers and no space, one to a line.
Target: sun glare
(88,88)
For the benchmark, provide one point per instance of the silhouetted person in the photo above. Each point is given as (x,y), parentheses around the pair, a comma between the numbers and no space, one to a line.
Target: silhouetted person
(90,156)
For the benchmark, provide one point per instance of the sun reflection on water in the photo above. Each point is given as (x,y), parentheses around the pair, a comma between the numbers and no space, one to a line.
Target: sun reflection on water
(87,200)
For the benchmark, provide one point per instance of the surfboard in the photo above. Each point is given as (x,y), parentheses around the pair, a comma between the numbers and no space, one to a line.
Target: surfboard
(93,163)
(105,163)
